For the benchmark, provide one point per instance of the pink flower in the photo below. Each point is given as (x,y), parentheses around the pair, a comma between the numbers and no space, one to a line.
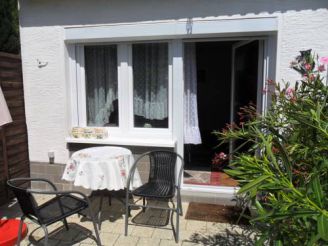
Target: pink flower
(219,158)
(324,60)
(290,91)
(290,94)
(321,68)
(307,66)
(222,155)
(312,77)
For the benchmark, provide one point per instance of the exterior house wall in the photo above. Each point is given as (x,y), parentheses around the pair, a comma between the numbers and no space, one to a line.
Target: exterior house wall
(303,24)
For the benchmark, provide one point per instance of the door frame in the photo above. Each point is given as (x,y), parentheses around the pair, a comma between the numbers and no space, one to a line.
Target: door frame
(267,61)
(260,85)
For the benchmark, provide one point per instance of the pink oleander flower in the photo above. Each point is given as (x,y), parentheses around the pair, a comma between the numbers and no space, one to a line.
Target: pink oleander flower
(290,93)
(324,60)
(311,77)
(321,68)
(308,66)
(222,155)
(219,158)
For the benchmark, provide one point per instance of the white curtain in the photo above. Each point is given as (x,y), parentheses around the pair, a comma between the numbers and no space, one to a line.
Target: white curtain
(191,128)
(150,80)
(101,83)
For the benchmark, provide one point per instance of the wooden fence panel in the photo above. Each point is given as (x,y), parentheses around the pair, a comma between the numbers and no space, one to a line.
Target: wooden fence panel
(14,158)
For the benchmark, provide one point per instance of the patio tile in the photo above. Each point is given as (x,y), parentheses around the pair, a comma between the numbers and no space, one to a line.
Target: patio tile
(140,231)
(143,241)
(187,235)
(165,242)
(183,223)
(109,238)
(216,227)
(128,241)
(194,225)
(119,229)
(107,227)
(189,244)
(163,234)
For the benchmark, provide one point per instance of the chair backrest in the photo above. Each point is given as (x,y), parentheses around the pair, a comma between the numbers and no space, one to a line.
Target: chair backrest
(25,199)
(163,167)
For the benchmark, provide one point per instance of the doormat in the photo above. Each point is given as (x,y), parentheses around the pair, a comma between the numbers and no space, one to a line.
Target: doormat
(216,213)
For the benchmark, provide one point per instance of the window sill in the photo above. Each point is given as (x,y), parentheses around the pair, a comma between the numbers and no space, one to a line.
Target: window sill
(168,143)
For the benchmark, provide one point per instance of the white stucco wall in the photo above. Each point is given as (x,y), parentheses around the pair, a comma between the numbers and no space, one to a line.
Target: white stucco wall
(303,24)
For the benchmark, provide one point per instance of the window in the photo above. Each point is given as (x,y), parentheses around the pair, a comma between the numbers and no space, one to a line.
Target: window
(150,85)
(125,87)
(101,85)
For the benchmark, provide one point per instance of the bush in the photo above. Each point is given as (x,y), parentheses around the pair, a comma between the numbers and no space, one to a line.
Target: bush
(283,167)
(9,29)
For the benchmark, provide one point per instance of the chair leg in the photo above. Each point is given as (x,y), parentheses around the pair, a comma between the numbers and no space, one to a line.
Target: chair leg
(99,211)
(45,235)
(110,200)
(95,227)
(177,226)
(20,230)
(143,203)
(127,213)
(65,224)
(179,203)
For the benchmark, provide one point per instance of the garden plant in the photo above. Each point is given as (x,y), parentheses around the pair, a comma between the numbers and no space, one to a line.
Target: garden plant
(280,158)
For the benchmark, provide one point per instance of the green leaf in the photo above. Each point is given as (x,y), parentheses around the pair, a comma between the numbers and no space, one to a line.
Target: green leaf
(233,172)
(322,224)
(317,189)
(278,243)
(284,215)
(261,240)
(253,184)
(313,239)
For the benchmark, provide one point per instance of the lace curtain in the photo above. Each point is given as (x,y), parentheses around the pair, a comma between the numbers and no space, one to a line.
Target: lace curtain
(191,128)
(150,80)
(101,83)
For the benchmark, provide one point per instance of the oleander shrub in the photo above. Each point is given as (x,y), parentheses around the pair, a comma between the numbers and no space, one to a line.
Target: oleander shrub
(283,166)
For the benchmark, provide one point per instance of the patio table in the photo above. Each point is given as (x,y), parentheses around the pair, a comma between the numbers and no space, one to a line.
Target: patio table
(101,168)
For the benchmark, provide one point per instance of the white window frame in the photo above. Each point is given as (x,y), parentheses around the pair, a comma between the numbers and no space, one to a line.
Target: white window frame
(139,131)
(126,126)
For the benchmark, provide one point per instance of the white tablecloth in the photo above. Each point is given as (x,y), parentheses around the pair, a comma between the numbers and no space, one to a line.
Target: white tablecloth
(101,168)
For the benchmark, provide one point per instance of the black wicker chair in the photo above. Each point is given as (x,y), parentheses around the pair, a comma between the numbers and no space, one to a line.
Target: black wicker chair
(62,205)
(163,183)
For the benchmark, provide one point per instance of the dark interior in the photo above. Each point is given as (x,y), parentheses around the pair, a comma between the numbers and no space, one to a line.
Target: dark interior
(214,68)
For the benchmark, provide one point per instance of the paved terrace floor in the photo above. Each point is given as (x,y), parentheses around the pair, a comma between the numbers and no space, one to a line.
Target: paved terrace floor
(112,232)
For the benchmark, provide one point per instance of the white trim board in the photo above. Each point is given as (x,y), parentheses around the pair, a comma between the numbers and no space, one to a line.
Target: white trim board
(169,29)
(165,143)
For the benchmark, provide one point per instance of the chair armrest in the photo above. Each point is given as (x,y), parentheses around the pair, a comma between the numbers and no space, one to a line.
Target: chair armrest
(60,193)
(31,180)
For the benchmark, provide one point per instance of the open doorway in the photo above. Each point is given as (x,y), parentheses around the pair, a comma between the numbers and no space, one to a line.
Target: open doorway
(228,76)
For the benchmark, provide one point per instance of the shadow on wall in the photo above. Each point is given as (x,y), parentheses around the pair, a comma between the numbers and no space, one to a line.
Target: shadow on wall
(86,12)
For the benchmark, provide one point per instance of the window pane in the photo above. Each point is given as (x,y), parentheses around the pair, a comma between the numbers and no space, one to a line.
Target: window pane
(150,85)
(101,85)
